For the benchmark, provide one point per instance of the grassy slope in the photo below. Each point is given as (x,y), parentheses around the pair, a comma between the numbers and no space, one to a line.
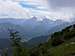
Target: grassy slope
(65,49)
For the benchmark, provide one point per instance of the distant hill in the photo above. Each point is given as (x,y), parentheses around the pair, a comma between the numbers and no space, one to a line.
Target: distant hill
(47,37)
(31,28)
(36,41)
(61,43)
(4,33)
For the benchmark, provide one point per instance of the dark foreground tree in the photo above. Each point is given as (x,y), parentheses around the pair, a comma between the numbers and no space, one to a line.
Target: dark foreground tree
(15,42)
(17,46)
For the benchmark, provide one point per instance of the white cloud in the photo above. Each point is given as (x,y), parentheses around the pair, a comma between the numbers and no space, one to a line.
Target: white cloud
(13,9)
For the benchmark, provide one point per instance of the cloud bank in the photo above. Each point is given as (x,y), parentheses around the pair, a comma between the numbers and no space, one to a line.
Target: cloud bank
(24,9)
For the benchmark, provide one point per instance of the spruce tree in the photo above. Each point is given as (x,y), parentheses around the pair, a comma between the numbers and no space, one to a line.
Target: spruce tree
(15,42)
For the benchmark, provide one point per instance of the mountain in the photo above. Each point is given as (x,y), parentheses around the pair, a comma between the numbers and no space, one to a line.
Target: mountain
(67,48)
(31,28)
(36,41)
(44,38)
(4,33)
(60,43)
(38,28)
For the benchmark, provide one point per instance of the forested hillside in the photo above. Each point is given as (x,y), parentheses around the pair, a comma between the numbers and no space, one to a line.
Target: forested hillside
(61,43)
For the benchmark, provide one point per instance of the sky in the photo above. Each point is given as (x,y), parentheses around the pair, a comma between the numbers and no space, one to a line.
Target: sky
(25,9)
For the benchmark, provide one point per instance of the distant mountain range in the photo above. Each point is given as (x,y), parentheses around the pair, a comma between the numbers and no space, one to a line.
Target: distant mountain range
(31,29)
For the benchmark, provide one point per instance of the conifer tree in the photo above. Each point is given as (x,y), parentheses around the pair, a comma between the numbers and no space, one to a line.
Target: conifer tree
(15,42)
